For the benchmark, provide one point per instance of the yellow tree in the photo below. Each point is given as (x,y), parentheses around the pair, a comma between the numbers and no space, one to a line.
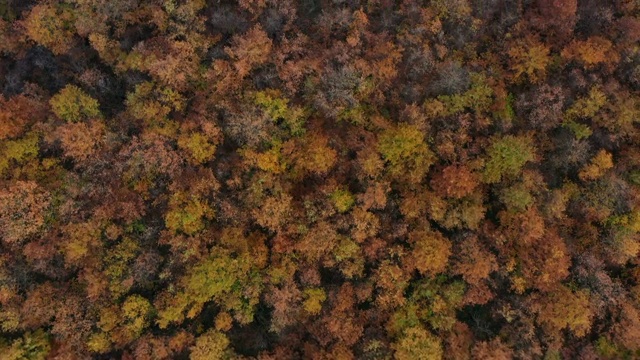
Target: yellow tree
(565,309)
(406,152)
(431,251)
(72,104)
(187,213)
(51,25)
(597,167)
(529,57)
(418,343)
(212,345)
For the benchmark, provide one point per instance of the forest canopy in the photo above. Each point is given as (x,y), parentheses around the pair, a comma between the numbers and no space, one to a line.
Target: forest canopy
(319,179)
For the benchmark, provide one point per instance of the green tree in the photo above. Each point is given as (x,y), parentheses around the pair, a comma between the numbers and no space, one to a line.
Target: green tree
(507,156)
(232,282)
(407,154)
(342,199)
(19,151)
(31,346)
(72,104)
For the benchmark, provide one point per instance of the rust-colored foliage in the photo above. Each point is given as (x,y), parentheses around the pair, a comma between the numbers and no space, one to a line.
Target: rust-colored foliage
(250,49)
(591,52)
(455,181)
(23,207)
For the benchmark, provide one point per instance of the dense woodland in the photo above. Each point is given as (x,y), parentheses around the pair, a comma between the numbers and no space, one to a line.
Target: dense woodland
(319,179)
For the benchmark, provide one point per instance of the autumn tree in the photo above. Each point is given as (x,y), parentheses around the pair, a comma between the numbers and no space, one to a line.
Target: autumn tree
(51,25)
(72,105)
(188,213)
(405,151)
(455,181)
(507,156)
(430,253)
(36,346)
(598,165)
(531,58)
(566,309)
(249,50)
(417,342)
(81,140)
(213,278)
(19,152)
(212,345)
(591,52)
(558,15)
(23,211)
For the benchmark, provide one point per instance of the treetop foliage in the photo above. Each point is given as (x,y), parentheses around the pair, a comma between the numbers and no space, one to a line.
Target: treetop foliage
(316,179)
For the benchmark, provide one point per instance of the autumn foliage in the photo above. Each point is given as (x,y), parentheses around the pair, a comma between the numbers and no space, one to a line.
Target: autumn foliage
(315,179)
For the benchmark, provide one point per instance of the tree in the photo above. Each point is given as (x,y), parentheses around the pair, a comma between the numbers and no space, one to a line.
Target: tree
(274,211)
(32,346)
(559,15)
(591,52)
(417,343)
(516,197)
(277,107)
(233,282)
(152,104)
(51,25)
(72,105)
(473,261)
(19,151)
(405,151)
(23,211)
(597,167)
(529,57)
(376,196)
(18,112)
(478,98)
(492,350)
(467,212)
(121,326)
(430,253)
(199,147)
(342,199)
(455,181)
(507,157)
(314,299)
(212,345)
(565,309)
(315,155)
(187,213)
(587,106)
(173,63)
(543,107)
(80,140)
(249,50)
